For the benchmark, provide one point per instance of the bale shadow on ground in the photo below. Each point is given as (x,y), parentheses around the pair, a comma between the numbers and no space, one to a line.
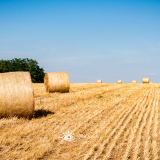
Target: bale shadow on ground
(42,113)
(37,114)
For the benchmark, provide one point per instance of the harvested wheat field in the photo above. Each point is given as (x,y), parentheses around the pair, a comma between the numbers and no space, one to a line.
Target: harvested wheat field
(107,121)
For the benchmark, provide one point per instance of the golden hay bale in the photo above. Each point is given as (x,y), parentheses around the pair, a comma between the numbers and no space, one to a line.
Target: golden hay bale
(16,95)
(99,81)
(151,82)
(56,82)
(119,81)
(145,80)
(134,81)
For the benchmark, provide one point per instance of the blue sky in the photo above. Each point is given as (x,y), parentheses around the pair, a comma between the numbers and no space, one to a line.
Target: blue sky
(88,39)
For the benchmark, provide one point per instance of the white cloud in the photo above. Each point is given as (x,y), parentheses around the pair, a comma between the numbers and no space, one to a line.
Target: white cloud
(126,52)
(15,54)
(52,49)
(5,40)
(43,49)
(152,74)
(11,52)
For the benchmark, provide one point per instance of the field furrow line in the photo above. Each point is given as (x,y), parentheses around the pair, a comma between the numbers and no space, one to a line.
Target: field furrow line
(113,142)
(121,112)
(86,95)
(122,142)
(87,119)
(95,146)
(94,113)
(109,112)
(147,132)
(154,144)
(91,112)
(129,113)
(138,136)
(131,136)
(67,111)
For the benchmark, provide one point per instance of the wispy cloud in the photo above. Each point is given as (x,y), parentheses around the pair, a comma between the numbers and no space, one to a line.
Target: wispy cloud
(125,52)
(152,74)
(52,49)
(11,52)
(43,50)
(5,40)
(14,54)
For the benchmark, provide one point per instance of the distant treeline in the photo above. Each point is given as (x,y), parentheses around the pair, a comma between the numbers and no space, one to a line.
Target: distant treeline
(30,65)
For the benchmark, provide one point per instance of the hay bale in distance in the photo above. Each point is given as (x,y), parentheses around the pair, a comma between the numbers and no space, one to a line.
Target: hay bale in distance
(151,82)
(56,82)
(134,81)
(16,95)
(99,81)
(145,80)
(119,81)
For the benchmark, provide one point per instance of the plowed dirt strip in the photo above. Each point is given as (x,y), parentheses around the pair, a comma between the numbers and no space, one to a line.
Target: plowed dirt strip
(109,141)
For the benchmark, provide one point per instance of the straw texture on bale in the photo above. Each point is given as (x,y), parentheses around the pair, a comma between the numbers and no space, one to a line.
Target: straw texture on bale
(56,82)
(16,94)
(145,80)
(99,81)
(134,81)
(119,81)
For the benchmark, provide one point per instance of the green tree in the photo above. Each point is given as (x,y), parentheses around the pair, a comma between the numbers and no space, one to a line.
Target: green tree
(37,73)
(3,66)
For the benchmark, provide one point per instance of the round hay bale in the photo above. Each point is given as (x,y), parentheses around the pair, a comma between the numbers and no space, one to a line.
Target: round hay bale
(119,81)
(56,82)
(134,81)
(145,80)
(151,82)
(99,81)
(16,95)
